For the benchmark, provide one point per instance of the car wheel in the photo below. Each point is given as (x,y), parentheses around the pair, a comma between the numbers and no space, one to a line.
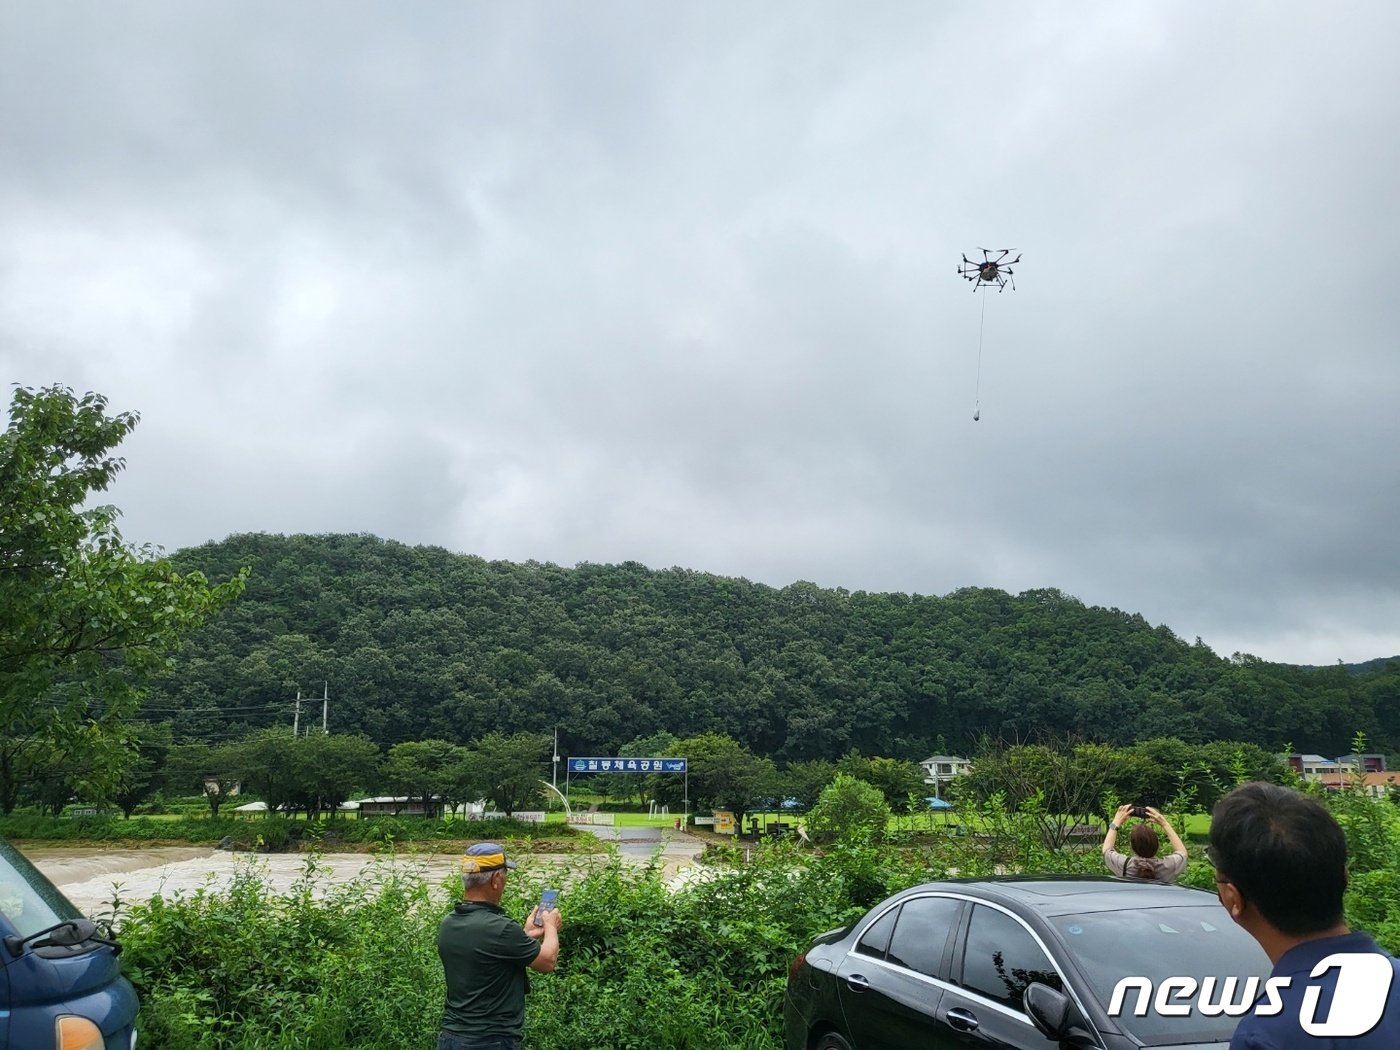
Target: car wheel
(831,1041)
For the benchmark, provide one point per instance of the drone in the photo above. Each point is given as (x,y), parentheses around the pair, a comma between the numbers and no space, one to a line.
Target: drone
(989,270)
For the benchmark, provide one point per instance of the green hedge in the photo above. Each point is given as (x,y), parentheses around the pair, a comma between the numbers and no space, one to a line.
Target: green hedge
(354,965)
(115,829)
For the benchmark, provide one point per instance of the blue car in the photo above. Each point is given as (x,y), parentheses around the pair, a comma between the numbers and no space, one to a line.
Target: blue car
(61,986)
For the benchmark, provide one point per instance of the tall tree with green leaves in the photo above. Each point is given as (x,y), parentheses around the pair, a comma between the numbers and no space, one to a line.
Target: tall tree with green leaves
(1057,784)
(421,770)
(212,770)
(143,776)
(331,767)
(723,775)
(805,780)
(268,765)
(509,771)
(84,616)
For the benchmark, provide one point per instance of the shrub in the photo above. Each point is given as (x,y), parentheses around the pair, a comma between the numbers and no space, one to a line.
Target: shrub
(849,810)
(251,968)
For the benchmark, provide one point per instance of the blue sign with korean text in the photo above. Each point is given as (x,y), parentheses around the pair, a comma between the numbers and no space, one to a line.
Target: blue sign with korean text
(627,765)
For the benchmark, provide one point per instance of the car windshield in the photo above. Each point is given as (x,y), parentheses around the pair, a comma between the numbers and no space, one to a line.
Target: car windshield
(27,899)
(1196,941)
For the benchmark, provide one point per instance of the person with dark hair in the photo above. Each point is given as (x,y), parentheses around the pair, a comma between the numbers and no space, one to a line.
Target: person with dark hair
(485,954)
(1144,863)
(1280,863)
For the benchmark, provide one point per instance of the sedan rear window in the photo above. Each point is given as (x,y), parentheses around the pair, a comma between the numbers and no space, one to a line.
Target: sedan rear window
(922,933)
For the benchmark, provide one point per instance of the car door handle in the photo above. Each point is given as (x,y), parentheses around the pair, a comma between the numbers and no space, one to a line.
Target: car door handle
(857,982)
(963,1020)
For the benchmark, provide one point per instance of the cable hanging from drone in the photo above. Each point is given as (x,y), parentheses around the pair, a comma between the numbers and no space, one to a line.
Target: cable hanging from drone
(989,271)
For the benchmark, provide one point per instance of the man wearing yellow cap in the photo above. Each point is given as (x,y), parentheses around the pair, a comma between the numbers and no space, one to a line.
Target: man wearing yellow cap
(485,954)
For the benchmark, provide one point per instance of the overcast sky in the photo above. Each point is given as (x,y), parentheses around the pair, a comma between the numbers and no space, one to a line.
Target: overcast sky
(675,283)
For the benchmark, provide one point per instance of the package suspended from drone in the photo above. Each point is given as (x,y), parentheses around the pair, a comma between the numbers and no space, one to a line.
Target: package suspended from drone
(989,271)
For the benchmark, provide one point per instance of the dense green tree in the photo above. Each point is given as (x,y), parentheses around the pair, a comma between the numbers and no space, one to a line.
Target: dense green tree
(421,770)
(805,780)
(60,782)
(28,759)
(83,615)
(900,782)
(266,763)
(311,773)
(145,774)
(509,771)
(212,770)
(723,774)
(331,768)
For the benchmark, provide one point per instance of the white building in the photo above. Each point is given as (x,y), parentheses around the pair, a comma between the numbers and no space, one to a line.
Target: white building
(939,769)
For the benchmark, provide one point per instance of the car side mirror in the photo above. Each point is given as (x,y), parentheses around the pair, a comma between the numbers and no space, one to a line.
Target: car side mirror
(72,933)
(1049,1010)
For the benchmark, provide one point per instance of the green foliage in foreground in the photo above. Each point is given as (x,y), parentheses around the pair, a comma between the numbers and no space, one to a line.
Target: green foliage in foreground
(355,965)
(643,965)
(252,968)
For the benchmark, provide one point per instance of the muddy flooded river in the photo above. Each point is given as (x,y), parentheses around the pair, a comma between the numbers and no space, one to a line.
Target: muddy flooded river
(92,878)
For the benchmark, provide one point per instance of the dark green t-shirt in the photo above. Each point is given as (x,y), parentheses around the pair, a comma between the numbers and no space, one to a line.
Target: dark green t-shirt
(485,954)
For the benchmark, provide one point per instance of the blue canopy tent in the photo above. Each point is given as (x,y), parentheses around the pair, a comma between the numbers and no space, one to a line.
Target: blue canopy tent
(943,808)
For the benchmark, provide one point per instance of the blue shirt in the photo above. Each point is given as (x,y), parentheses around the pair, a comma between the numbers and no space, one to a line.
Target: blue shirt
(1284,1030)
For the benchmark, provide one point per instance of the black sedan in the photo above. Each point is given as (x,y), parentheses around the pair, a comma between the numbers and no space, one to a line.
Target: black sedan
(1025,963)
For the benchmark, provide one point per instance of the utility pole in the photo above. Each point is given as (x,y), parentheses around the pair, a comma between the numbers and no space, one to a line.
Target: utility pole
(325,705)
(555,783)
(296,718)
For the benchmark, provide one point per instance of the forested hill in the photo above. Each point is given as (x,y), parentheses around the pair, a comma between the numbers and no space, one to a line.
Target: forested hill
(418,642)
(1377,664)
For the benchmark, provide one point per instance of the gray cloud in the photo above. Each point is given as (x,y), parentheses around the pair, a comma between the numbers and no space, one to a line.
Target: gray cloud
(676,284)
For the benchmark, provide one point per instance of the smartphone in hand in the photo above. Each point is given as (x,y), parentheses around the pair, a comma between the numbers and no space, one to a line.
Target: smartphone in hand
(548,899)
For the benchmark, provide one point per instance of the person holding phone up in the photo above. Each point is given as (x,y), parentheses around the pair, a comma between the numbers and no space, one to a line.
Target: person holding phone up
(485,954)
(1144,862)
